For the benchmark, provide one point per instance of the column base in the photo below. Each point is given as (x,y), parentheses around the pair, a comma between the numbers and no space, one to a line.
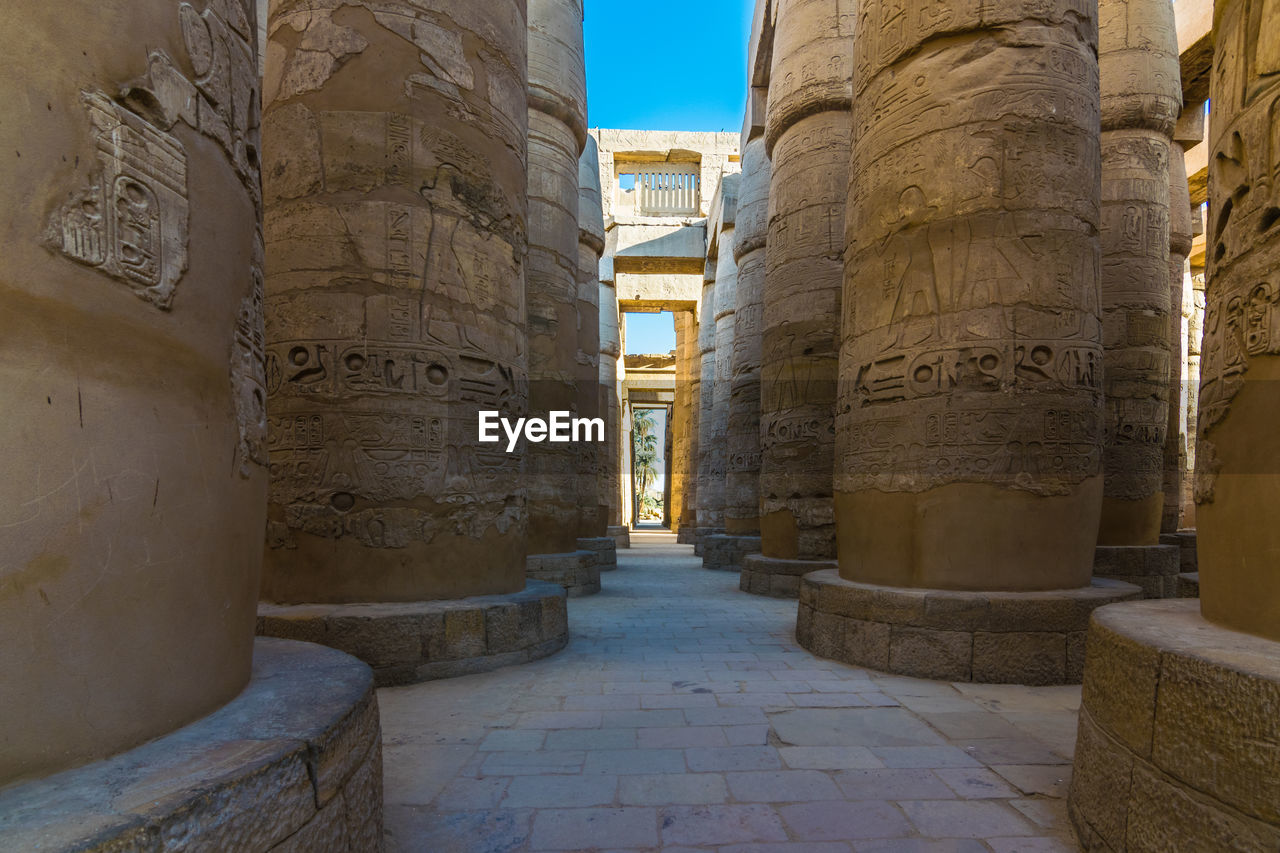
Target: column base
(425,640)
(700,534)
(1154,568)
(1178,728)
(1186,542)
(1188,585)
(605,550)
(1034,638)
(576,571)
(293,763)
(777,578)
(686,536)
(621,535)
(725,552)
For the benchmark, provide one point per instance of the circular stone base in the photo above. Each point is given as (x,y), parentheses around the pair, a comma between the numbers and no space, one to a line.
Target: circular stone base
(1186,541)
(1154,568)
(1189,585)
(424,640)
(621,535)
(992,637)
(604,549)
(294,760)
(1179,726)
(686,536)
(576,571)
(725,553)
(777,578)
(700,535)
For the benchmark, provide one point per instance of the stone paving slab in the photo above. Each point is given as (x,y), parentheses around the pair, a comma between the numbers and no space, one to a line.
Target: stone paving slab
(684,717)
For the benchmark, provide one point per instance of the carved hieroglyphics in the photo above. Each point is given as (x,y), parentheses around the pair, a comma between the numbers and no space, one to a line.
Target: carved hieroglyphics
(968,460)
(1141,99)
(807,137)
(657,188)
(395,315)
(597,469)
(1178,723)
(720,550)
(134,452)
(557,136)
(742,468)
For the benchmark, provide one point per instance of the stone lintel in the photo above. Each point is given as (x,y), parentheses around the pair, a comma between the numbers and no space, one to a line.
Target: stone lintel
(293,763)
(1034,638)
(425,640)
(1179,730)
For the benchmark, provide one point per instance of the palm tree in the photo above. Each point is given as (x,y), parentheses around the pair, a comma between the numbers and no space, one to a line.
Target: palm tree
(645,442)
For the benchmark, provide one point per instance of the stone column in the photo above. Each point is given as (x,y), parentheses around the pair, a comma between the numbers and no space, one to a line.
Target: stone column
(1178,716)
(723,551)
(135,455)
(557,136)
(688,416)
(1180,238)
(807,137)
(394,318)
(592,460)
(710,491)
(610,410)
(968,482)
(742,482)
(1141,99)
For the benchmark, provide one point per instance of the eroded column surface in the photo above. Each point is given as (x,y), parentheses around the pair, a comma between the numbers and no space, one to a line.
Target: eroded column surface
(557,135)
(751,228)
(687,413)
(131,363)
(396,237)
(969,430)
(1180,239)
(591,459)
(1141,99)
(807,137)
(1237,484)
(710,499)
(726,306)
(610,352)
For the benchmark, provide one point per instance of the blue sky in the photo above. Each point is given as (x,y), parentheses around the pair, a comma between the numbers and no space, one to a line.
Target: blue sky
(666,65)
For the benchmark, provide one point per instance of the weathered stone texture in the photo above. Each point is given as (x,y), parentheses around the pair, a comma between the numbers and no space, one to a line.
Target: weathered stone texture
(776,577)
(710,498)
(1187,766)
(1237,459)
(577,571)
(592,464)
(294,762)
(131,357)
(419,641)
(720,241)
(742,440)
(396,237)
(969,426)
(1141,99)
(994,637)
(807,137)
(1153,567)
(557,136)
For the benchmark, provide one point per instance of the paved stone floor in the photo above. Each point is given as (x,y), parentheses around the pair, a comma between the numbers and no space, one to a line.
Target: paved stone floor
(683,716)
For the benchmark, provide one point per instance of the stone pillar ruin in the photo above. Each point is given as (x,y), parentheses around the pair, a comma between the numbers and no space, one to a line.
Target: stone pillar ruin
(724,551)
(742,478)
(592,459)
(1178,720)
(807,137)
(968,476)
(1141,98)
(710,514)
(395,316)
(688,416)
(135,456)
(557,136)
(611,411)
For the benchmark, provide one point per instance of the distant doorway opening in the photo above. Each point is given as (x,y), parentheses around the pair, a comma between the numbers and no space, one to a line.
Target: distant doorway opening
(650,462)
